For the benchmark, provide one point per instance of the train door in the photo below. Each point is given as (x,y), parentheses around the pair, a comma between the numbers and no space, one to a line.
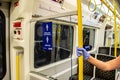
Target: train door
(4,42)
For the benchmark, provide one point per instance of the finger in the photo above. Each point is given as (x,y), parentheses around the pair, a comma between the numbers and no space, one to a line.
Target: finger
(80,52)
(80,49)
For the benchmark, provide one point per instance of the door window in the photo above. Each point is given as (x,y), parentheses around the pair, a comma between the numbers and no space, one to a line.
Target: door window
(2,46)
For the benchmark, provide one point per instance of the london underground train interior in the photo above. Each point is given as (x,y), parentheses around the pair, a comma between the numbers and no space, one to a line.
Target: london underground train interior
(38,39)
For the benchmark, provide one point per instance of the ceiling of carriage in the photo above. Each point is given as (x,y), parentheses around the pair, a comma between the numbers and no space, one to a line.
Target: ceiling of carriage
(118,5)
(118,1)
(74,2)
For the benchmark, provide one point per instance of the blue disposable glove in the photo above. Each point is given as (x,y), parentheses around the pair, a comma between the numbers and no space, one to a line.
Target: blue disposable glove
(82,51)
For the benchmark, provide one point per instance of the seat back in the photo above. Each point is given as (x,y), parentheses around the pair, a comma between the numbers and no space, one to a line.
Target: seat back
(107,75)
(88,67)
(104,50)
(112,51)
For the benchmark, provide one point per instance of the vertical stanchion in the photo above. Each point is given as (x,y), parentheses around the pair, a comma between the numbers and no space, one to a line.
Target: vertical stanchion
(80,39)
(115,31)
(17,67)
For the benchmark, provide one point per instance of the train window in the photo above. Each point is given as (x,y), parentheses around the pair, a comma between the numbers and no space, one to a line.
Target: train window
(108,35)
(62,37)
(2,46)
(88,38)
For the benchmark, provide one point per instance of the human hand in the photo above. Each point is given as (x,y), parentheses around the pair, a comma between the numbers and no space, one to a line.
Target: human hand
(82,51)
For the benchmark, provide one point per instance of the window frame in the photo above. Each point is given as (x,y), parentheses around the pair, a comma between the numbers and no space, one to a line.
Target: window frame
(56,22)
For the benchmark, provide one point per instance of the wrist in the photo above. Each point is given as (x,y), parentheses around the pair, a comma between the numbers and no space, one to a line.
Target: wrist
(89,59)
(87,56)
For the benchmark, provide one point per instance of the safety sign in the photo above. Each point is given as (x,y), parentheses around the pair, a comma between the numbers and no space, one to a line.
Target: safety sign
(47,35)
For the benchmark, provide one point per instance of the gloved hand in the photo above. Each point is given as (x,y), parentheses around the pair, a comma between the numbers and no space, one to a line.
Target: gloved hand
(82,51)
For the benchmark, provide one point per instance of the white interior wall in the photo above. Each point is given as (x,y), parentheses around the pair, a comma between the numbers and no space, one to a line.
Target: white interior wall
(42,8)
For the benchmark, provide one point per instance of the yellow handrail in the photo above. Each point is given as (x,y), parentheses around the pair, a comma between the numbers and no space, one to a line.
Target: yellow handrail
(17,66)
(110,8)
(80,40)
(115,30)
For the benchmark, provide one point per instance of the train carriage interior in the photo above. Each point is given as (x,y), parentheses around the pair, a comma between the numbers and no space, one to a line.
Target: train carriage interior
(39,38)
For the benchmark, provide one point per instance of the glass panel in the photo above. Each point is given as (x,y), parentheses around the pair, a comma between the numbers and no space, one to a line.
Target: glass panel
(65,39)
(1,60)
(2,46)
(88,38)
(62,37)
(108,36)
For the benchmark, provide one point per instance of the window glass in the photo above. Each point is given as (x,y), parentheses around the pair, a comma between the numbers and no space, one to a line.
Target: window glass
(88,38)
(62,37)
(2,46)
(108,36)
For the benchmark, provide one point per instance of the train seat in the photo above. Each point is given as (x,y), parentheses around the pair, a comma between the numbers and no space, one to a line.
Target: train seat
(104,50)
(112,51)
(74,77)
(104,75)
(88,69)
(108,51)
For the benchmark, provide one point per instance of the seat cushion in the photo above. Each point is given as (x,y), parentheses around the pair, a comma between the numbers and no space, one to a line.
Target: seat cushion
(87,77)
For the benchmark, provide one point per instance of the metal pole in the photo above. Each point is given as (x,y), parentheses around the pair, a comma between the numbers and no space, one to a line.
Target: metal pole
(110,8)
(80,39)
(17,66)
(115,31)
(54,16)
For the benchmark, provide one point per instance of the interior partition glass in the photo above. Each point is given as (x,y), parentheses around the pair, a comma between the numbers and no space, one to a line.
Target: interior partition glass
(88,38)
(61,46)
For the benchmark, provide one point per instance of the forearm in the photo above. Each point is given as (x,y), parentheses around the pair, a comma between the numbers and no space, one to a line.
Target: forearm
(106,66)
(99,64)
